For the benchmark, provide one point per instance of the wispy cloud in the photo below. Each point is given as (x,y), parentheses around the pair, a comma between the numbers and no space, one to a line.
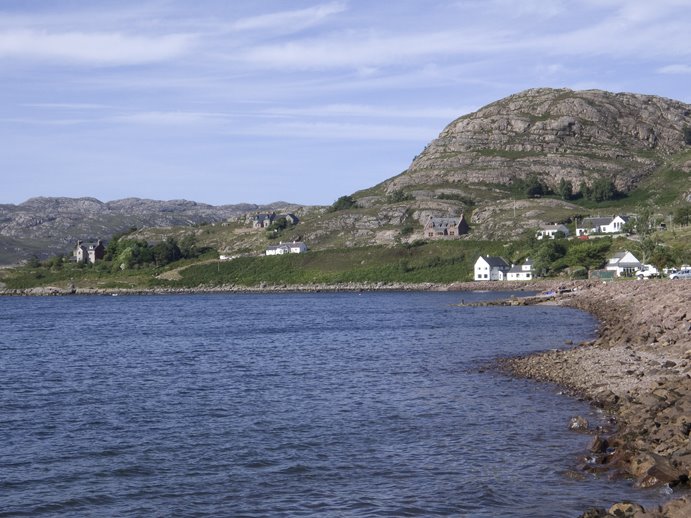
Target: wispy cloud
(361,110)
(360,51)
(675,69)
(165,118)
(290,20)
(67,106)
(339,131)
(97,48)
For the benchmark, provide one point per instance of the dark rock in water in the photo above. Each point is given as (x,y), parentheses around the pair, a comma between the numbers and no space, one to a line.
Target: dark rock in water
(579,423)
(598,445)
(594,513)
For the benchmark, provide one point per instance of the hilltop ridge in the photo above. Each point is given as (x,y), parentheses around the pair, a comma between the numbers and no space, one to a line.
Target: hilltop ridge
(555,134)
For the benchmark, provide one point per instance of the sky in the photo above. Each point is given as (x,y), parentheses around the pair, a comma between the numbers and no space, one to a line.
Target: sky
(304,101)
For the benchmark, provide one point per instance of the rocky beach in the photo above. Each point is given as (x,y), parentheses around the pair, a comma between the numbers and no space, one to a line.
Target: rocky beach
(639,371)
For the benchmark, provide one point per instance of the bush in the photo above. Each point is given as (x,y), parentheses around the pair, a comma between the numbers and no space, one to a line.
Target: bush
(399,196)
(687,135)
(466,200)
(343,203)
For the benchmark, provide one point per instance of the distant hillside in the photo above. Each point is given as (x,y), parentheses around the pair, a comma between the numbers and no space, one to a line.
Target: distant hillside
(49,226)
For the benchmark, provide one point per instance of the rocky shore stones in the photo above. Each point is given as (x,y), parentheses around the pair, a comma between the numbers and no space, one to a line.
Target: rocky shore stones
(639,369)
(579,423)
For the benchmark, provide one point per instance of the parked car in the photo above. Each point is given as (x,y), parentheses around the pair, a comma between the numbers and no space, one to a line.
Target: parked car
(647,271)
(681,274)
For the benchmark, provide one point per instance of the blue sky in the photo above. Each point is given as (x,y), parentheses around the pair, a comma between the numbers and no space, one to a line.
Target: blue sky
(304,101)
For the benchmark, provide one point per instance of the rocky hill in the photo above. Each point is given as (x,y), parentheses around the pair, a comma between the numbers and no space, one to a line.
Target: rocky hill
(555,134)
(49,226)
(640,142)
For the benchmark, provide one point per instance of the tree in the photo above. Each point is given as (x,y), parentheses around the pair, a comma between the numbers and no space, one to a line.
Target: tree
(584,190)
(534,187)
(647,249)
(603,189)
(682,216)
(166,251)
(644,221)
(547,254)
(565,189)
(188,247)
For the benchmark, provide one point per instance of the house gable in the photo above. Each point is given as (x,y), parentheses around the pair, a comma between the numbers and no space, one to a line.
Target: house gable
(490,268)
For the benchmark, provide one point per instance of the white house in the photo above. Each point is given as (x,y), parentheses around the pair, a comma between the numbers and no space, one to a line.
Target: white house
(550,231)
(624,264)
(296,247)
(607,225)
(521,272)
(491,268)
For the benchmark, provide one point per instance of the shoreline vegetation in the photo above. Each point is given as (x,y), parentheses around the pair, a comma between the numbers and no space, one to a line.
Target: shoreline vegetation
(638,369)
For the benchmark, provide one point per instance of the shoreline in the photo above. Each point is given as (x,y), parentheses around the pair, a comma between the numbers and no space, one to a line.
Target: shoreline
(638,370)
(529,286)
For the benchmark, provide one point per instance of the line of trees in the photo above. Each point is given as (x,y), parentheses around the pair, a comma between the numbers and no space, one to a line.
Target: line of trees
(127,252)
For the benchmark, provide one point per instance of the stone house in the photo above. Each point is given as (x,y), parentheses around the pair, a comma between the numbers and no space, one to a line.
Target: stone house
(290,218)
(89,252)
(262,220)
(445,228)
(491,268)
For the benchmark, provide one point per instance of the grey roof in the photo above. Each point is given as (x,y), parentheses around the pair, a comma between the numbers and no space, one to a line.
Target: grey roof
(518,268)
(598,221)
(445,222)
(595,222)
(496,262)
(553,227)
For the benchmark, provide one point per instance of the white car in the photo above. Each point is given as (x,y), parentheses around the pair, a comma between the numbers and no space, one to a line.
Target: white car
(647,271)
(681,274)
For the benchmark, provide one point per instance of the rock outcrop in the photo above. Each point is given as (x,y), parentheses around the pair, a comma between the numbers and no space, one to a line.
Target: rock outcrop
(554,134)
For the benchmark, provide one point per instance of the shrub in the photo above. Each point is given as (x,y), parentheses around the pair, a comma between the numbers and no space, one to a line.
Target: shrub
(687,135)
(343,203)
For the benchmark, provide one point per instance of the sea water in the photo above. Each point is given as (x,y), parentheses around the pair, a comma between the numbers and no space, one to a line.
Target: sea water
(325,404)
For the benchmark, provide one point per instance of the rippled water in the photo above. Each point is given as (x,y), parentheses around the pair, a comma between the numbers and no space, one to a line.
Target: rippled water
(285,405)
